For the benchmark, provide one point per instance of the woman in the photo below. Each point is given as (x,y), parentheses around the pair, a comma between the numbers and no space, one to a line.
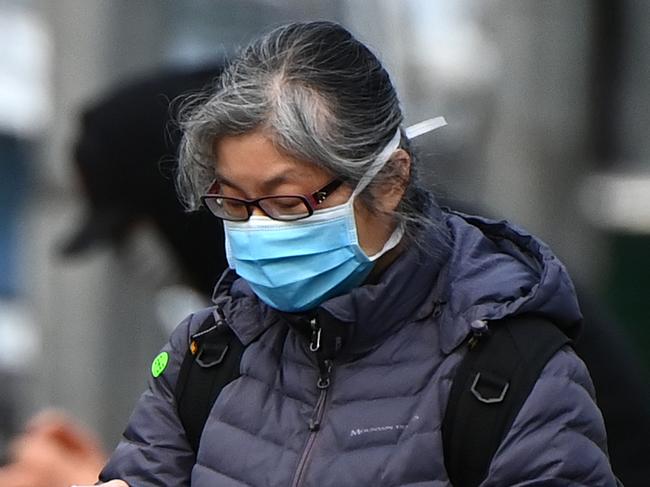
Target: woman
(353,294)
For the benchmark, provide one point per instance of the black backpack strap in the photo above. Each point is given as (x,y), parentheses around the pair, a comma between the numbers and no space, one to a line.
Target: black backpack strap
(491,384)
(211,363)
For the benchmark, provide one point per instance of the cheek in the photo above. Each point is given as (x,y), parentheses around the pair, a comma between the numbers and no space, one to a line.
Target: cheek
(364,234)
(373,229)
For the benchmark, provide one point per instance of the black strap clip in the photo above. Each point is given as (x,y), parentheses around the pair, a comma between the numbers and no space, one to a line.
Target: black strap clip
(207,347)
(210,355)
(489,389)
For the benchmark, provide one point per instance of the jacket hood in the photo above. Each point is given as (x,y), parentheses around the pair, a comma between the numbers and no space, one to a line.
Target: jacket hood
(468,268)
(496,269)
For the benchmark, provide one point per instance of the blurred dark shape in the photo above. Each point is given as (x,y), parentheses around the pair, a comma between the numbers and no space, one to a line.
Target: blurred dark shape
(125,157)
(15,175)
(622,390)
(610,41)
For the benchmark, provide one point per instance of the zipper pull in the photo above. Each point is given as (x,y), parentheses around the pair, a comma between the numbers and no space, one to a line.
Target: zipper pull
(317,416)
(323,384)
(324,377)
(314,343)
(479,329)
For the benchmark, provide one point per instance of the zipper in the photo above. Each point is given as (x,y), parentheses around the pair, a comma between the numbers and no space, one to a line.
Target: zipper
(323,384)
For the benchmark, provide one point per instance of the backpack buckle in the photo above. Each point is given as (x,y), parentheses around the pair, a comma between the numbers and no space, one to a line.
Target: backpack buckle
(208,354)
(492,390)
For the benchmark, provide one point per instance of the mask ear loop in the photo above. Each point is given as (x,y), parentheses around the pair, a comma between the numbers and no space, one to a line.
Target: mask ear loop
(380,161)
(384,156)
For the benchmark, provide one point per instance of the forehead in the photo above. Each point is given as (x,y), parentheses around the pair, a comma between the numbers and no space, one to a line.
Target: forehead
(254,157)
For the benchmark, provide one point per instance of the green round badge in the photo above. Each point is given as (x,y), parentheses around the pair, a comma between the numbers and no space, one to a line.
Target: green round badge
(159,364)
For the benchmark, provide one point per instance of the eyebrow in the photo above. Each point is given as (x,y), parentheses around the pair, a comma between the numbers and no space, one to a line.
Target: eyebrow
(269,184)
(225,181)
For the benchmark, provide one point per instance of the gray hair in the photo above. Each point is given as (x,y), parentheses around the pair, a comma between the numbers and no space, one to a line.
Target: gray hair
(321,95)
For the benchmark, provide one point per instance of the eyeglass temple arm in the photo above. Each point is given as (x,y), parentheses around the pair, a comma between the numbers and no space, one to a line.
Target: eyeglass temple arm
(320,195)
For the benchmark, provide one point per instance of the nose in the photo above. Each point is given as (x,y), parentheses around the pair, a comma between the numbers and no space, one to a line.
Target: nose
(257,211)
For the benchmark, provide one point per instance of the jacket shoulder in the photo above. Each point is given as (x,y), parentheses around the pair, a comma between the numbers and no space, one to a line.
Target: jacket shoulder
(180,337)
(559,433)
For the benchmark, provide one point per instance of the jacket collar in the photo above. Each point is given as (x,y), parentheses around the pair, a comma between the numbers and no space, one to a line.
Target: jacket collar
(406,291)
(245,314)
(359,320)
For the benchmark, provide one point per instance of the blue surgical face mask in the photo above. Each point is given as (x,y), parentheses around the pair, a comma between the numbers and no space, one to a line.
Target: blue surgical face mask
(295,266)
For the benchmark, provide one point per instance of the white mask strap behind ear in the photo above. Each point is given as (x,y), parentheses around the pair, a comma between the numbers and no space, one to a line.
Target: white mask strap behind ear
(383,157)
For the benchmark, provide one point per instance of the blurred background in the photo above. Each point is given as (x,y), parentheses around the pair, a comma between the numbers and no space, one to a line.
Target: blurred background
(548,105)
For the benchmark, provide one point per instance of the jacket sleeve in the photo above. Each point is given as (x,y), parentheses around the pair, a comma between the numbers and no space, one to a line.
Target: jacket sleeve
(558,438)
(154,450)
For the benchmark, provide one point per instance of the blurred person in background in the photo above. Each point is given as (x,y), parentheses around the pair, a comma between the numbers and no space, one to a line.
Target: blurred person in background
(353,293)
(124,158)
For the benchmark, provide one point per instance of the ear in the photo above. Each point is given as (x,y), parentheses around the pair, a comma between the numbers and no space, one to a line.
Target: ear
(394,190)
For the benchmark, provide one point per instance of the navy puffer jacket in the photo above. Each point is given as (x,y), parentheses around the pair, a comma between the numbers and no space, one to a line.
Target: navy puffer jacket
(396,345)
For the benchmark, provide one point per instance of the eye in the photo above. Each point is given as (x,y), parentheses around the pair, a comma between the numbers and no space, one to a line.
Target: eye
(285,207)
(288,203)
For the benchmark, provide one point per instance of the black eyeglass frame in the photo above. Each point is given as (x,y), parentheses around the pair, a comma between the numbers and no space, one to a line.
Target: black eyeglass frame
(311,201)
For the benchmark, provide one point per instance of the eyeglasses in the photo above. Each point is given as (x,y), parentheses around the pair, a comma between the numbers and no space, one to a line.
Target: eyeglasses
(288,207)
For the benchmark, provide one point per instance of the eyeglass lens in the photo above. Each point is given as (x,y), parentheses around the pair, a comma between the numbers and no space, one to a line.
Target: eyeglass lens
(278,207)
